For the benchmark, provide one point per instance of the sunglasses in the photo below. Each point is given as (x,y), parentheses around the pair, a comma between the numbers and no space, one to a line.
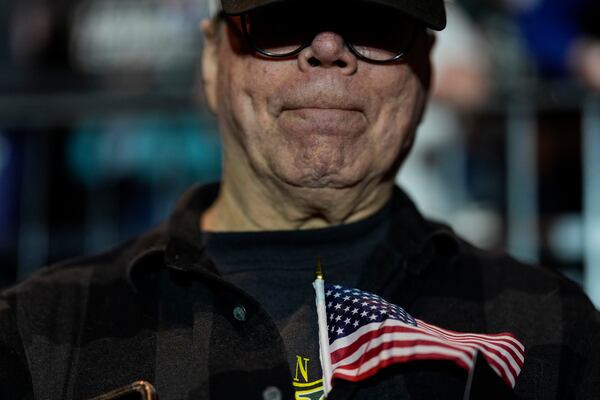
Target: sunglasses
(373,33)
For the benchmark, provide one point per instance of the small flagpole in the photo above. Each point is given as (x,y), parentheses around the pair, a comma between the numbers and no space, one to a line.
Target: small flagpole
(319,285)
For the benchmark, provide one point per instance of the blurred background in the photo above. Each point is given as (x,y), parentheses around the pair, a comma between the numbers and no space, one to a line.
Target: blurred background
(102,126)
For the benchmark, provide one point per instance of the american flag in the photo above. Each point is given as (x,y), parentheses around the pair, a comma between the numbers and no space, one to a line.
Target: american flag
(366,334)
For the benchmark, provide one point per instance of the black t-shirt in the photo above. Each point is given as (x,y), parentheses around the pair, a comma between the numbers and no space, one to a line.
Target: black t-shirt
(278,267)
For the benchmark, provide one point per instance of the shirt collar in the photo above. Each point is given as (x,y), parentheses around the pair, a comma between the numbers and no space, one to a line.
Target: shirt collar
(413,241)
(415,236)
(413,244)
(177,243)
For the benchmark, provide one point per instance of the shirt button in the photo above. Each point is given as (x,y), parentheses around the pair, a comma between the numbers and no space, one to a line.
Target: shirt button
(239,313)
(272,393)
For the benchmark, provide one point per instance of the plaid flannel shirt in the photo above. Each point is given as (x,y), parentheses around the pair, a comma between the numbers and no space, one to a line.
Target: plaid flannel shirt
(156,309)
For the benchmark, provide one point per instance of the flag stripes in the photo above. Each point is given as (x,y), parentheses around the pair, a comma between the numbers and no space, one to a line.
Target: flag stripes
(367,334)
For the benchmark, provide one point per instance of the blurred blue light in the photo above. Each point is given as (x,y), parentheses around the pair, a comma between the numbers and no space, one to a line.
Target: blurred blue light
(150,149)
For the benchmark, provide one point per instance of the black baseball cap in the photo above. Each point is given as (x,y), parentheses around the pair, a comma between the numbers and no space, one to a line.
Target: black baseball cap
(429,12)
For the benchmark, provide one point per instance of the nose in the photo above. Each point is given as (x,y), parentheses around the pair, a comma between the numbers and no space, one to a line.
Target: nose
(328,50)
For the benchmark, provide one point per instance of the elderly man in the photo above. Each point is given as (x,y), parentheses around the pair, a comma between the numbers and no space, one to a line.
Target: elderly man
(317,103)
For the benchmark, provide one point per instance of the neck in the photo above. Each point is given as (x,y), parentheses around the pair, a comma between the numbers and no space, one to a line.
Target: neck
(246,204)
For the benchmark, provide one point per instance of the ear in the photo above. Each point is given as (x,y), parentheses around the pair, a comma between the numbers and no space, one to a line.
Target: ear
(210,63)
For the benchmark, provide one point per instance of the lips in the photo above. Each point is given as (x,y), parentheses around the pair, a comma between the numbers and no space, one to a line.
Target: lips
(309,121)
(319,105)
(319,91)
(325,113)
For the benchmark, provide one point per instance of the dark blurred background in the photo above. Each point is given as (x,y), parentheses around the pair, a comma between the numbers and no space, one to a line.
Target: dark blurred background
(102,126)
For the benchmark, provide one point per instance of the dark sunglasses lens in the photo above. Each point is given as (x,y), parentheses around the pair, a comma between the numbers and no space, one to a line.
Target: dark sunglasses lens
(376,33)
(276,29)
(380,36)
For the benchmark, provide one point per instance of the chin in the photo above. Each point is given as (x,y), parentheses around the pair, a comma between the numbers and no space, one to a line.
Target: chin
(319,168)
(318,179)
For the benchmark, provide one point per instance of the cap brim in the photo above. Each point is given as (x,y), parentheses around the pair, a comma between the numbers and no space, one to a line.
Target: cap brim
(431,13)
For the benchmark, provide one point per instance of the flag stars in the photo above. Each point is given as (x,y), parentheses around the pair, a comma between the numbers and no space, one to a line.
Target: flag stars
(339,331)
(351,308)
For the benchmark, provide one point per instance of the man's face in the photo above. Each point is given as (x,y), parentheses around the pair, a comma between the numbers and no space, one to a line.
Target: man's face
(323,118)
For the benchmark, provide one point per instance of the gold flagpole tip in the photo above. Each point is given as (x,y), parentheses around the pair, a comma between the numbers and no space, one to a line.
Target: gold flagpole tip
(319,270)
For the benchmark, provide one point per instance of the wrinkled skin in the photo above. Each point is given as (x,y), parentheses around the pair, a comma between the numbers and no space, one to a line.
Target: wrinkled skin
(313,140)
